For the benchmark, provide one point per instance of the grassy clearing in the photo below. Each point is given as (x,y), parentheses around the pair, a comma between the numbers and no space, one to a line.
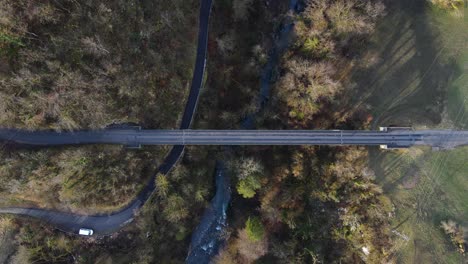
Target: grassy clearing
(426,188)
(414,56)
(420,80)
(457,106)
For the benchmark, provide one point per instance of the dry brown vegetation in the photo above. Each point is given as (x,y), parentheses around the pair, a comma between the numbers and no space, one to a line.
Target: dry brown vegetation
(242,250)
(448,4)
(458,234)
(87,179)
(327,33)
(86,64)
(315,204)
(318,205)
(7,234)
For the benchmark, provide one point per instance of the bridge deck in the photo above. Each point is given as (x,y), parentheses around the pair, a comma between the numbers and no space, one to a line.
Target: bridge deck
(136,137)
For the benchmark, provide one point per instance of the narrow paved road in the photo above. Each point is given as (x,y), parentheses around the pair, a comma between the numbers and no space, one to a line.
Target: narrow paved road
(109,223)
(135,137)
(105,224)
(197,82)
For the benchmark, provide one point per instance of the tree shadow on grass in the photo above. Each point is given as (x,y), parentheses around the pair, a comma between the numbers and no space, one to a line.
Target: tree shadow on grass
(409,84)
(457,108)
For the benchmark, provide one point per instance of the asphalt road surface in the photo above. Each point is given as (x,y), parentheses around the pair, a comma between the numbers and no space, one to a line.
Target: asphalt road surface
(109,223)
(136,137)
(71,223)
(197,82)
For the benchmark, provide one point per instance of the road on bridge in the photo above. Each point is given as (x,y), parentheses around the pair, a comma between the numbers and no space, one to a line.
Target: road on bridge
(108,223)
(105,224)
(135,137)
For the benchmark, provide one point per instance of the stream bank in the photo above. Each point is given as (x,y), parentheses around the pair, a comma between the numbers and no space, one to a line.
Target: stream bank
(208,237)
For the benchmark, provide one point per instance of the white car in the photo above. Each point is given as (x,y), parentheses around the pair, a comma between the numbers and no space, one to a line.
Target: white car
(86,232)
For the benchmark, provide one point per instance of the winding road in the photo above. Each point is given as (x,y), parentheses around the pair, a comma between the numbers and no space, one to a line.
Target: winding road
(108,223)
(135,137)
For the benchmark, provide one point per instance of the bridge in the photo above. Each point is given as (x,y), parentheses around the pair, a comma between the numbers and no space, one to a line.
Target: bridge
(134,137)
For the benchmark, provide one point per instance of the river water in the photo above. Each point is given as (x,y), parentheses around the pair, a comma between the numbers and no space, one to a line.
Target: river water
(208,237)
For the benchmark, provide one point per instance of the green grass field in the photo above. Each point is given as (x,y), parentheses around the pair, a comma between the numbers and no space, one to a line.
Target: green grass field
(457,105)
(421,80)
(426,187)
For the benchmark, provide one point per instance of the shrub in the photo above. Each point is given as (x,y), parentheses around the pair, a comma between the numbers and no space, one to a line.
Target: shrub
(317,47)
(447,4)
(246,167)
(248,186)
(254,228)
(176,209)
(305,84)
(343,17)
(162,185)
(9,44)
(44,247)
(457,234)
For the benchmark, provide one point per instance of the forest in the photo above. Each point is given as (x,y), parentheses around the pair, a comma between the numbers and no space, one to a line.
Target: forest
(71,64)
(89,64)
(312,204)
